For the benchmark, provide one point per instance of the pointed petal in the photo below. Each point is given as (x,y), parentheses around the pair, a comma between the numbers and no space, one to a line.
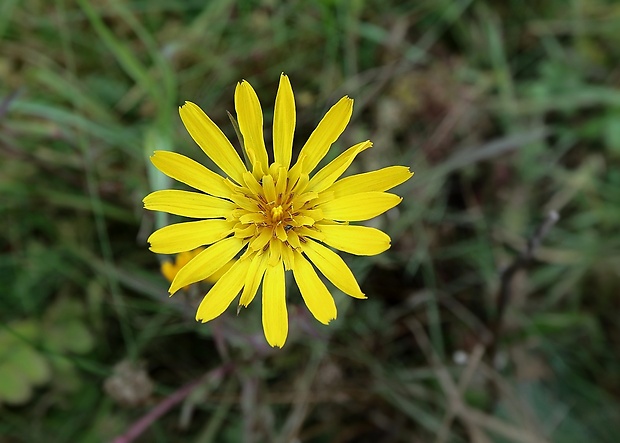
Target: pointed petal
(316,296)
(269,189)
(252,184)
(333,267)
(331,172)
(186,236)
(212,141)
(207,262)
(284,123)
(188,204)
(253,278)
(275,316)
(250,117)
(260,241)
(357,207)
(380,180)
(221,295)
(326,133)
(190,172)
(358,240)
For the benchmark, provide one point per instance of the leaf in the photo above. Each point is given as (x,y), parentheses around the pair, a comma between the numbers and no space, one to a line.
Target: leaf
(14,387)
(78,338)
(34,368)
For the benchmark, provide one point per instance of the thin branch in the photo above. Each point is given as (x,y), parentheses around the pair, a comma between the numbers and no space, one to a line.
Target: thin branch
(168,403)
(521,261)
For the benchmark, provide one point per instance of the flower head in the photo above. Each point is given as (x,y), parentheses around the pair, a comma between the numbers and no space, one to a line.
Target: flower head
(274,216)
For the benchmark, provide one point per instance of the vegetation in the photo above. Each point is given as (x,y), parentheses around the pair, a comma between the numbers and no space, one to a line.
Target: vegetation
(487,320)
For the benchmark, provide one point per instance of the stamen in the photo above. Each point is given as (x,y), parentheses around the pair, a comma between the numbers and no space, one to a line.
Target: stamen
(276,214)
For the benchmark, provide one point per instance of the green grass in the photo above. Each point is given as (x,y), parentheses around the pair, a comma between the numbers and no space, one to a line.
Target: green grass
(504,110)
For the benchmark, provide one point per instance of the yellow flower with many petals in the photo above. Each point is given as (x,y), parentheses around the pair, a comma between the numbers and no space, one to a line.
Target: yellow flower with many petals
(275,217)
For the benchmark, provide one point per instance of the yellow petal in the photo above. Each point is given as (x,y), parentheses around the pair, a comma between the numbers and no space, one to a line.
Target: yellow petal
(331,172)
(327,132)
(284,123)
(250,118)
(316,296)
(252,217)
(183,258)
(223,292)
(333,267)
(262,240)
(212,141)
(191,173)
(358,240)
(253,278)
(275,316)
(188,204)
(189,235)
(213,278)
(380,180)
(251,183)
(269,188)
(207,262)
(361,206)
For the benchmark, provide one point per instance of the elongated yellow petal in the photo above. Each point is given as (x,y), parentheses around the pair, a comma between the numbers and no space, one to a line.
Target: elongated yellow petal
(333,267)
(192,173)
(261,240)
(331,172)
(284,118)
(223,292)
(188,204)
(212,141)
(316,296)
(250,117)
(358,240)
(275,315)
(207,262)
(357,207)
(380,180)
(326,133)
(213,278)
(269,188)
(253,278)
(186,236)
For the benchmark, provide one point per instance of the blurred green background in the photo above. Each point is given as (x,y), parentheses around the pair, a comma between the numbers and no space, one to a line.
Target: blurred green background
(504,110)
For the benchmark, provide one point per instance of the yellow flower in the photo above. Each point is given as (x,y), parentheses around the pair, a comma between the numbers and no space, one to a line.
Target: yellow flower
(276,217)
(170,269)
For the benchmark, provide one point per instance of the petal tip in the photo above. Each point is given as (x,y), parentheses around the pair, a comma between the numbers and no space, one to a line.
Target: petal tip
(276,343)
(173,288)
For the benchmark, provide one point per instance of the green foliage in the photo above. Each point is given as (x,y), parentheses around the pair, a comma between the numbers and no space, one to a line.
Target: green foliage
(21,367)
(35,353)
(504,110)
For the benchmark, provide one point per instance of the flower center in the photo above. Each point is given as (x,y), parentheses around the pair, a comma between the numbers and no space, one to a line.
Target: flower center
(277,214)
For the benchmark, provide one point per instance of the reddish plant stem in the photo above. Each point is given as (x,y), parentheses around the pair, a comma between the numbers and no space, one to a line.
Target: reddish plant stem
(168,403)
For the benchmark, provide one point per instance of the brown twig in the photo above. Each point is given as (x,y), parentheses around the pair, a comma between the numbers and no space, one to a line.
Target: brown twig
(521,261)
